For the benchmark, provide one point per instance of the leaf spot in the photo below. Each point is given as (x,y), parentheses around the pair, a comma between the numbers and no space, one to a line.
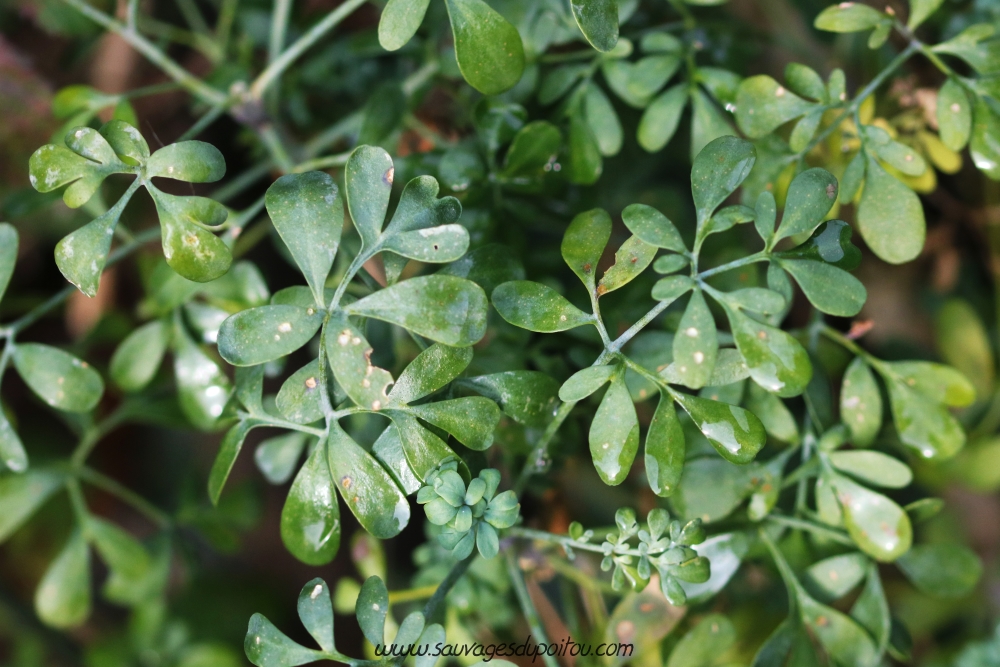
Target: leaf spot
(699,357)
(316,591)
(310,383)
(956,107)
(389,175)
(346,482)
(691,332)
(780,92)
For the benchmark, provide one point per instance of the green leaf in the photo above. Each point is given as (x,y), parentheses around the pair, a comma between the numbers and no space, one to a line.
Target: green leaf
(810,197)
(636,83)
(419,228)
(422,449)
(12,454)
(873,468)
(705,643)
(598,21)
(534,146)
(805,130)
(848,17)
(300,398)
(614,433)
(267,646)
(585,382)
(672,288)
(711,488)
(947,570)
(602,118)
(984,146)
(432,369)
(696,343)
(258,335)
(202,388)
(191,161)
(660,119)
(717,171)
(652,227)
(58,378)
(316,611)
(371,610)
(922,423)
(127,142)
(777,361)
(308,214)
(757,300)
(920,11)
(974,46)
(399,22)
(488,266)
(584,242)
(368,183)
(446,309)
(229,450)
(877,525)
(631,259)
(734,432)
(670,263)
(664,449)
(805,81)
(707,122)
(537,307)
(128,561)
(8,254)
(890,216)
(763,105)
(138,357)
(861,403)
(461,167)
(897,155)
(527,397)
(830,243)
(444,243)
(277,457)
(871,609)
(558,81)
(830,289)
(846,641)
(368,490)
(310,518)
(62,599)
(584,164)
(471,420)
(84,165)
(388,449)
(350,359)
(833,578)
(22,495)
(773,414)
(191,250)
(964,343)
(81,255)
(487,47)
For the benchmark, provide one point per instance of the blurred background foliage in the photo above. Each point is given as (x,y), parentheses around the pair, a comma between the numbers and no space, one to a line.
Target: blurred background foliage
(942,306)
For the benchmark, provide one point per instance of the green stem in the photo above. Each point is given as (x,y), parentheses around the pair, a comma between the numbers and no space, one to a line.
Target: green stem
(537,458)
(530,613)
(803,524)
(269,136)
(872,86)
(59,297)
(412,594)
(761,256)
(202,123)
(129,497)
(224,25)
(279,28)
(274,70)
(194,85)
(93,435)
(445,587)
(321,163)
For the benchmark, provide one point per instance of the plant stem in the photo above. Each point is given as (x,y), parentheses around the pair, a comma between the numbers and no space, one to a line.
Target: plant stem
(536,460)
(321,163)
(872,86)
(93,434)
(803,524)
(193,84)
(56,299)
(412,594)
(129,497)
(269,137)
(206,119)
(274,70)
(530,613)
(445,587)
